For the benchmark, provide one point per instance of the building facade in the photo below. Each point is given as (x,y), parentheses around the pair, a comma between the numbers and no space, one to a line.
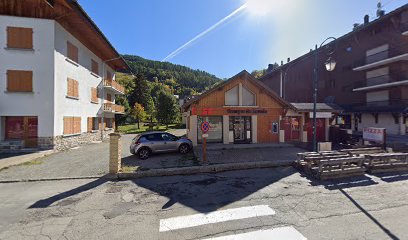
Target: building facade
(369,82)
(57,76)
(241,110)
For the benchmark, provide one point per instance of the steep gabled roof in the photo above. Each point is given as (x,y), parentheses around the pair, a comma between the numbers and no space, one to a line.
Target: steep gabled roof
(247,76)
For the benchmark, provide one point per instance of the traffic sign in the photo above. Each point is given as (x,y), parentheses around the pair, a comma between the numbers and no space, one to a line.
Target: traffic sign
(205,127)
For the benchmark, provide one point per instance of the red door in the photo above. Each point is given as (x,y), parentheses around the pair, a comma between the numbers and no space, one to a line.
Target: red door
(320,130)
(292,128)
(23,128)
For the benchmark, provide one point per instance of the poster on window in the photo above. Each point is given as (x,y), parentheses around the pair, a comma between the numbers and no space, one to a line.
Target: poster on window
(374,134)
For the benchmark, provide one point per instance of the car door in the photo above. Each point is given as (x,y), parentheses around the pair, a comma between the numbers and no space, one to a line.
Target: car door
(152,142)
(170,142)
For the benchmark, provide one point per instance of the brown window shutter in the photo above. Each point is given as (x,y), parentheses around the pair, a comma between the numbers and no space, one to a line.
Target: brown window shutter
(19,81)
(109,75)
(18,37)
(99,123)
(70,88)
(94,95)
(67,125)
(72,52)
(95,67)
(76,92)
(90,124)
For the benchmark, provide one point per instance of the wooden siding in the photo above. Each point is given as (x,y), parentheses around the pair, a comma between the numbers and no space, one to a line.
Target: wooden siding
(217,98)
(19,81)
(18,37)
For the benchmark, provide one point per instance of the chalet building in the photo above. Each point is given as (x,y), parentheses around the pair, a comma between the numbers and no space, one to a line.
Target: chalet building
(369,83)
(240,110)
(57,76)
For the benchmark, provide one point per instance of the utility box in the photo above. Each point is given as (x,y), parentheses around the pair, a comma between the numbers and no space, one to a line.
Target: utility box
(324,146)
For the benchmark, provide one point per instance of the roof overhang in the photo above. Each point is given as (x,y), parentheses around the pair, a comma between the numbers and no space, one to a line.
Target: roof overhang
(71,16)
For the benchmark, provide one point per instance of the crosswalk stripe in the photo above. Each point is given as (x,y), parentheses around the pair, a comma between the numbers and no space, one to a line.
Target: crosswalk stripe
(214,217)
(283,233)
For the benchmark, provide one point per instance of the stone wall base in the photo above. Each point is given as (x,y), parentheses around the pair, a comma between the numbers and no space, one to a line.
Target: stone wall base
(62,143)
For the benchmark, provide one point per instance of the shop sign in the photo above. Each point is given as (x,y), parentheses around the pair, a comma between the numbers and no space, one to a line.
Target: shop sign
(321,114)
(247,111)
(374,134)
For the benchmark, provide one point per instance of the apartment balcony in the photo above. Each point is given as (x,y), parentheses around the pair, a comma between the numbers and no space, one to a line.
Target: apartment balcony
(386,57)
(389,106)
(383,82)
(113,108)
(114,86)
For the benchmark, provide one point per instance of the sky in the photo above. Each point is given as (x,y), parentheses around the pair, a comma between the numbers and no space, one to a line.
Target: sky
(254,33)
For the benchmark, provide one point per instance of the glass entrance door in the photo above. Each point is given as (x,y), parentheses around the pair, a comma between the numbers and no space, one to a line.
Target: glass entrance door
(241,127)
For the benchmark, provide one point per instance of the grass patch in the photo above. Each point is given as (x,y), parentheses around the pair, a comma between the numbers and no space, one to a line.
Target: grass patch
(31,163)
(128,169)
(132,128)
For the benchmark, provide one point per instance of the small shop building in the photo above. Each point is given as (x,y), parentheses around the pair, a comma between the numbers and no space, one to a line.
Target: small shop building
(240,110)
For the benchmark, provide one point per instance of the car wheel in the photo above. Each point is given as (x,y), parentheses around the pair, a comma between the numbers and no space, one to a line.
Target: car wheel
(144,153)
(184,148)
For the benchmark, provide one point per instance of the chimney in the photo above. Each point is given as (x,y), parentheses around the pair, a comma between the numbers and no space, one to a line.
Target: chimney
(288,60)
(281,63)
(270,67)
(366,19)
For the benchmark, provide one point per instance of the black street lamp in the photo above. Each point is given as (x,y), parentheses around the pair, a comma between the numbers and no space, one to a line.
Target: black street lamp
(330,65)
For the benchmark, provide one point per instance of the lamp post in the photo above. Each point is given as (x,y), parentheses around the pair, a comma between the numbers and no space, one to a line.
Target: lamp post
(330,65)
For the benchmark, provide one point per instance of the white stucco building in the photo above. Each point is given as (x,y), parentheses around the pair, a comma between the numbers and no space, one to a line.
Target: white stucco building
(57,76)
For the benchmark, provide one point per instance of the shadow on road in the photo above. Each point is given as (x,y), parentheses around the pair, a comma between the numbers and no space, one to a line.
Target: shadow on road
(49,201)
(392,176)
(202,192)
(350,182)
(386,230)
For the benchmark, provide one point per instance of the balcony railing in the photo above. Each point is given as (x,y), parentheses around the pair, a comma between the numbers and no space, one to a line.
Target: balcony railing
(392,105)
(392,54)
(113,108)
(383,81)
(114,85)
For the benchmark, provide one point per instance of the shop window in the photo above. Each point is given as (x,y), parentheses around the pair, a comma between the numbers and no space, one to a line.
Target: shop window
(248,98)
(19,81)
(344,121)
(215,133)
(232,97)
(18,37)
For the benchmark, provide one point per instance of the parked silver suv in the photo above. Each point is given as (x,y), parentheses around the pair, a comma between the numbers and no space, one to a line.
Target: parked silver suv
(156,142)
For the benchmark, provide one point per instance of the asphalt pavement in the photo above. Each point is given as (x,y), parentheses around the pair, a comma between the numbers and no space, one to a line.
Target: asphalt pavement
(275,203)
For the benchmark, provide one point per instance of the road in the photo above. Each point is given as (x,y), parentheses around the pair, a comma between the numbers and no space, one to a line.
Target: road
(251,204)
(84,161)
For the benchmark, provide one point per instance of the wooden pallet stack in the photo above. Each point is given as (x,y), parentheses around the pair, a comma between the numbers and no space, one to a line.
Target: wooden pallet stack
(350,162)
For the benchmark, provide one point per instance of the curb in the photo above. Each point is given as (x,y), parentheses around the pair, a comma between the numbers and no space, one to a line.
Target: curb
(108,177)
(203,169)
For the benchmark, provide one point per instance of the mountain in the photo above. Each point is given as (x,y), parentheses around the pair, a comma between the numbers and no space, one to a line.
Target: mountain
(182,80)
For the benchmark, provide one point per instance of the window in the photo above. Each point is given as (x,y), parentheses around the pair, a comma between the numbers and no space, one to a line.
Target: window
(18,37)
(19,81)
(93,124)
(95,67)
(215,134)
(72,89)
(109,75)
(72,125)
(94,95)
(108,97)
(231,97)
(168,137)
(72,52)
(248,98)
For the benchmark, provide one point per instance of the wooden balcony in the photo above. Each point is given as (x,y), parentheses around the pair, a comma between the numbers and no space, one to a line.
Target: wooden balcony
(114,86)
(113,108)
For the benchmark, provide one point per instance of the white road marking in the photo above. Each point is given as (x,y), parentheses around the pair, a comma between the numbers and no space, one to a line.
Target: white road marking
(283,233)
(214,217)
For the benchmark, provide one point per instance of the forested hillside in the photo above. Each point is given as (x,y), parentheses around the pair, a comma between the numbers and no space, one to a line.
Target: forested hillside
(182,80)
(150,94)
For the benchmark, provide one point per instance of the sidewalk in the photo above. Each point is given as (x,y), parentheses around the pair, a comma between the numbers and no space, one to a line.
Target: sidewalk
(17,160)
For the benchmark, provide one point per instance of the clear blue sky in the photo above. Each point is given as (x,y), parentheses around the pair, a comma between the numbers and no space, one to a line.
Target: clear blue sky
(250,40)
